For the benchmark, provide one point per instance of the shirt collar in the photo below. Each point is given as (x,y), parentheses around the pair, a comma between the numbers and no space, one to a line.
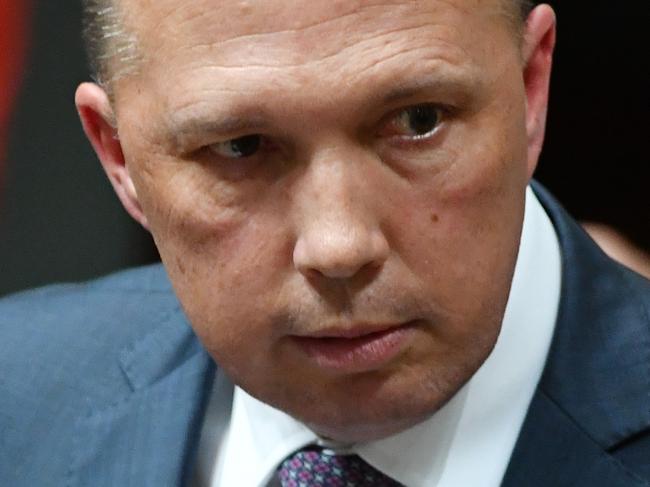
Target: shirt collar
(469,440)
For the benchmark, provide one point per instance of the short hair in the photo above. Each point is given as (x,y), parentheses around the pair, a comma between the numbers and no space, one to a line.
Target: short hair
(112,52)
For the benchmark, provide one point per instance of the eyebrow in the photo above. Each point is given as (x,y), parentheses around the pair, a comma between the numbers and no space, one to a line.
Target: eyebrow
(456,81)
(182,130)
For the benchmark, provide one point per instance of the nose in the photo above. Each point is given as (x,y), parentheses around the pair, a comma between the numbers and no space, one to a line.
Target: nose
(339,233)
(338,251)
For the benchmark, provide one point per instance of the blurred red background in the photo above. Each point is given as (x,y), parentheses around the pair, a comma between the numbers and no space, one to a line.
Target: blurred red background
(14,34)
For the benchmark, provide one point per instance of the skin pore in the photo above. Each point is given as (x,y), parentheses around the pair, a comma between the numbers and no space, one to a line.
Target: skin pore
(332,167)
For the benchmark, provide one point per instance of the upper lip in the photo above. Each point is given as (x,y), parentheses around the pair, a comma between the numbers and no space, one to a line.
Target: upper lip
(355,330)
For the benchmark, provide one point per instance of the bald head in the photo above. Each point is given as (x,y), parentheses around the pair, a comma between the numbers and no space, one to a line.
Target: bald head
(112,49)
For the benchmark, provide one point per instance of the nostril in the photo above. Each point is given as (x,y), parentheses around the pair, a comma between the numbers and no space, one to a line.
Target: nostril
(341,270)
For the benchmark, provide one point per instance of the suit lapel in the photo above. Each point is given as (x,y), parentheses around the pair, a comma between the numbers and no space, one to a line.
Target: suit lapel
(554,451)
(593,394)
(148,438)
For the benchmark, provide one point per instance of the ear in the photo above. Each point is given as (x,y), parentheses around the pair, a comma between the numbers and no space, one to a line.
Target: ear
(97,118)
(539,43)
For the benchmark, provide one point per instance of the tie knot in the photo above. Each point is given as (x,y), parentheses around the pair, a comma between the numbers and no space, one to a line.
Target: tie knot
(316,467)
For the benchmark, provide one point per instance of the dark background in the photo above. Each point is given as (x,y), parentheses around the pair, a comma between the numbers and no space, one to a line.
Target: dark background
(596,153)
(59,219)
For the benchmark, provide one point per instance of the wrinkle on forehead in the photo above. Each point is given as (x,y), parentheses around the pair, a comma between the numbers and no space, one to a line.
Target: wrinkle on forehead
(158,24)
(317,80)
(199,48)
(217,22)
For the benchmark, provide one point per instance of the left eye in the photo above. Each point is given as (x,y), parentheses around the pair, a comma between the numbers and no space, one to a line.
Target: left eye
(417,122)
(238,148)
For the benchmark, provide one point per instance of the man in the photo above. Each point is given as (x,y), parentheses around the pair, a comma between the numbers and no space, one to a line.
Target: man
(338,191)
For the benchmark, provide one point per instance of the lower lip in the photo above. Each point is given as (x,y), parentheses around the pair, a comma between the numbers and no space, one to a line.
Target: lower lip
(358,354)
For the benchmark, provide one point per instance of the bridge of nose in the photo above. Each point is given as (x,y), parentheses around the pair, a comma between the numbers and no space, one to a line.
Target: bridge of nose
(338,232)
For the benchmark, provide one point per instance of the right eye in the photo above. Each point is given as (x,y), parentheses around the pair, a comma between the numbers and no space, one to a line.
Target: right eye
(238,148)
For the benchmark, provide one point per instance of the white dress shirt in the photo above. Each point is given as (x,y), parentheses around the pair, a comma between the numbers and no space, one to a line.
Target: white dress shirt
(469,441)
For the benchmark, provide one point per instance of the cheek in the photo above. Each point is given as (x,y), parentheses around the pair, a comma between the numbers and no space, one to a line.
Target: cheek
(464,225)
(183,199)
(222,247)
(225,287)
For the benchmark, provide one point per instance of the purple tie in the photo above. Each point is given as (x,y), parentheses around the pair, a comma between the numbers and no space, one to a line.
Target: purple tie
(315,467)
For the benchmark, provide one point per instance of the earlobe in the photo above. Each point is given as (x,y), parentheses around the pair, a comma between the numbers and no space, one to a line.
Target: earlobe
(539,43)
(97,118)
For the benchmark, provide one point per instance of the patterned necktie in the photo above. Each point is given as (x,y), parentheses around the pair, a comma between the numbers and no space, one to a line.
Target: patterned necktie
(316,467)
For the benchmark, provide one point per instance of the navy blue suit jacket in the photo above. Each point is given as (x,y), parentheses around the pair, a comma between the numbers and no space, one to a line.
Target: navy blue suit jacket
(105,384)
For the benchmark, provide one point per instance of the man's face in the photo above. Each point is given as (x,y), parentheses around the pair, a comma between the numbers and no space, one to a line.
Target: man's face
(336,189)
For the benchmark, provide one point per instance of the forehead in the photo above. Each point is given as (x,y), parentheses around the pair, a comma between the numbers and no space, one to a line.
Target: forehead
(163,23)
(304,27)
(190,46)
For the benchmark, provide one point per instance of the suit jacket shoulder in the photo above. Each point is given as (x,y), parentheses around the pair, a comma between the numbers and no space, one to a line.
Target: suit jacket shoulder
(65,350)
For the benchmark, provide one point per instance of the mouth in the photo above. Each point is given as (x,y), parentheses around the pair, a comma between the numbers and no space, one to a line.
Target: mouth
(356,349)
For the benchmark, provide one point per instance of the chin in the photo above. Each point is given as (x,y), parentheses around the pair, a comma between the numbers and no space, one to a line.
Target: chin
(360,416)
